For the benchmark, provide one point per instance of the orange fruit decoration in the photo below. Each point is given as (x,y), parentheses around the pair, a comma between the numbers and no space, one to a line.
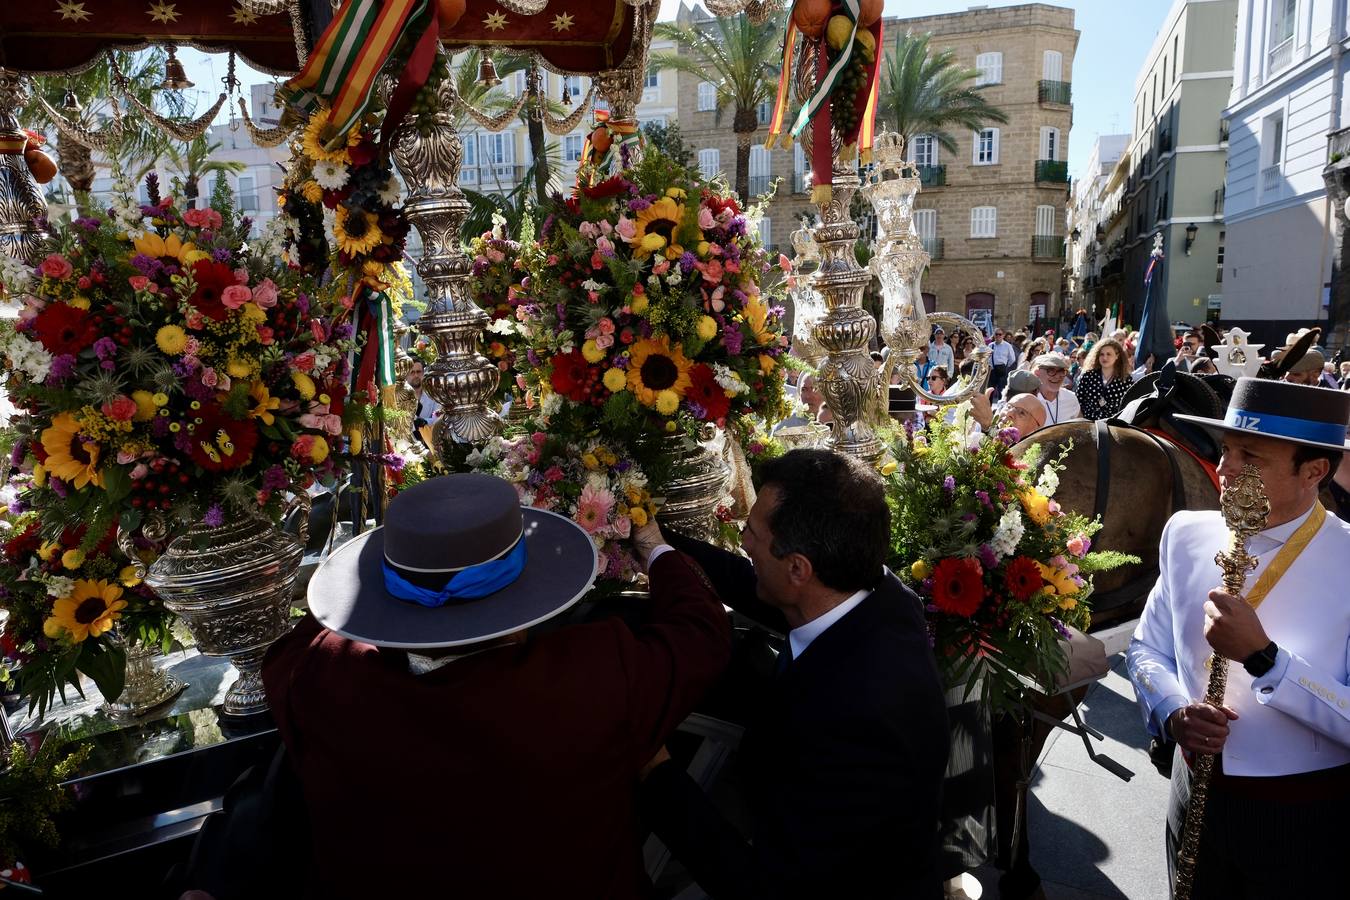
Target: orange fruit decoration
(601,139)
(40,164)
(810,16)
(868,12)
(450,12)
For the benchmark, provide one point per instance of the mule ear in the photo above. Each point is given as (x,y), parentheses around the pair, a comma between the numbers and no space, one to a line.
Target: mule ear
(1209,337)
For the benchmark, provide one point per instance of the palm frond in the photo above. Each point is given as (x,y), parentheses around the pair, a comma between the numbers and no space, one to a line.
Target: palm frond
(926,92)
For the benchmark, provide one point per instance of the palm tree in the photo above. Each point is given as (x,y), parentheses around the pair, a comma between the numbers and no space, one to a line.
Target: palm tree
(741,60)
(191,162)
(927,93)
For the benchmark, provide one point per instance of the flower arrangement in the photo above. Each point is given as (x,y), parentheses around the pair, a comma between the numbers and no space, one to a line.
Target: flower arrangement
(498,282)
(165,368)
(644,313)
(1001,568)
(604,492)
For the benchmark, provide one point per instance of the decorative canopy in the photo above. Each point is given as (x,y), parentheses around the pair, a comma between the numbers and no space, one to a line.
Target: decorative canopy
(52,36)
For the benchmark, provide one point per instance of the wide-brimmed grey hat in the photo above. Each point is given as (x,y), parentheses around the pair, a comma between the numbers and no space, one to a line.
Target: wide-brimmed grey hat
(457,561)
(1303,414)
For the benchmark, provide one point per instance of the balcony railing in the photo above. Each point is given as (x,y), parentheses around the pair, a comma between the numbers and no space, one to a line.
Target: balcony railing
(1047,246)
(1052,170)
(1282,55)
(502,177)
(932,176)
(1271,182)
(759,184)
(1219,196)
(1060,92)
(933,246)
(1338,145)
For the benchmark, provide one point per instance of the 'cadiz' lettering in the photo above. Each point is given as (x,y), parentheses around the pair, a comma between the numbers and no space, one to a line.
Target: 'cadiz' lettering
(1248,422)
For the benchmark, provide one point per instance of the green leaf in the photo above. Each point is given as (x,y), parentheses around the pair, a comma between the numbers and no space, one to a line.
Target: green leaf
(106,664)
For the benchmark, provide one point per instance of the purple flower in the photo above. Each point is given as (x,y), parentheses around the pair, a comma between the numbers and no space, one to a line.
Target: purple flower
(987,557)
(221,254)
(341,332)
(63,366)
(638,204)
(17,507)
(983,497)
(105,348)
(215,516)
(302,303)
(1009,436)
(732,339)
(1059,627)
(88,223)
(532,357)
(198,391)
(107,365)
(18,452)
(394,461)
(909,429)
(58,486)
(949,484)
(275,479)
(159,426)
(687,261)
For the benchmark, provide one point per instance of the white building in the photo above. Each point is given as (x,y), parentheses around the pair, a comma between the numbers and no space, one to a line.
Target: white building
(1289,93)
(1087,225)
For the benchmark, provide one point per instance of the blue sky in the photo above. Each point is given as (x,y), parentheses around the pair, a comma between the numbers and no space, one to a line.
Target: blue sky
(1115,39)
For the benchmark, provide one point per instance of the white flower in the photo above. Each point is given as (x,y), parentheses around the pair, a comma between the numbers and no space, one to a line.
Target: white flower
(1008,534)
(59,586)
(1048,483)
(329,222)
(552,403)
(390,192)
(15,275)
(674,276)
(331,176)
(728,380)
(502,326)
(591,284)
(498,225)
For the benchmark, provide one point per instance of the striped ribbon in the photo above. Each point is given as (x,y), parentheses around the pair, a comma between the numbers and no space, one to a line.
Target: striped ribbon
(348,57)
(867,125)
(830,80)
(780,103)
(377,356)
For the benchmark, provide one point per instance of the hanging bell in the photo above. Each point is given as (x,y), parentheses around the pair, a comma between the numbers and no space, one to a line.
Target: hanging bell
(487,72)
(175,77)
(71,103)
(566,92)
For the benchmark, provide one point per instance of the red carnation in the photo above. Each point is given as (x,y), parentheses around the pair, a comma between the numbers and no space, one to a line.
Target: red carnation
(18,549)
(64,329)
(958,586)
(717,204)
(363,154)
(212,279)
(1022,578)
(707,393)
(572,376)
(220,443)
(610,187)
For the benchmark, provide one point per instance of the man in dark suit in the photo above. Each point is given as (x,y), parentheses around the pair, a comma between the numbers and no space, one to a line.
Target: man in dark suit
(843,759)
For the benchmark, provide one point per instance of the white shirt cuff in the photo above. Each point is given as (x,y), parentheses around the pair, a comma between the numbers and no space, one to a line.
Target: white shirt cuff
(1264,687)
(656,552)
(1163,711)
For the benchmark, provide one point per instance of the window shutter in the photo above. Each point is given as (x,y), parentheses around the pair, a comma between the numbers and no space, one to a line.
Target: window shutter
(995,131)
(709,162)
(984,222)
(707,96)
(925,223)
(765,232)
(1045,221)
(1053,68)
(1049,142)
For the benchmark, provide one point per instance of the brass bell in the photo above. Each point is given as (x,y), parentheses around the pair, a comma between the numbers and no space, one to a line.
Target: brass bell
(175,77)
(487,72)
(566,92)
(71,103)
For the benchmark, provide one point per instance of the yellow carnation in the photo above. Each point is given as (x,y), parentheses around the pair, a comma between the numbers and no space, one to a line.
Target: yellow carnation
(39,475)
(766,363)
(145,405)
(171,340)
(318,450)
(702,248)
(128,576)
(79,302)
(589,461)
(252,312)
(48,550)
(920,570)
(667,402)
(638,515)
(615,379)
(592,352)
(653,242)
(639,305)
(304,384)
(72,559)
(707,328)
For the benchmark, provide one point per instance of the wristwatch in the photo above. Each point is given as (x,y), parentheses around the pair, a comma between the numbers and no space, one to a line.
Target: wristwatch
(1262,661)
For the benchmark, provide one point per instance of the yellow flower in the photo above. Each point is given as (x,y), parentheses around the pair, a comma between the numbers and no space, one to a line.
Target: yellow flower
(756,315)
(161,399)
(145,405)
(667,402)
(304,385)
(920,570)
(320,132)
(888,466)
(69,456)
(592,352)
(79,302)
(670,427)
(237,368)
(89,611)
(616,380)
(171,340)
(72,559)
(311,191)
(1057,580)
(1037,506)
(702,248)
(707,328)
(766,363)
(356,231)
(319,450)
(639,305)
(39,475)
(638,515)
(172,247)
(606,456)
(678,193)
(656,227)
(1067,603)
(654,368)
(264,403)
(252,312)
(357,436)
(48,550)
(128,576)
(589,461)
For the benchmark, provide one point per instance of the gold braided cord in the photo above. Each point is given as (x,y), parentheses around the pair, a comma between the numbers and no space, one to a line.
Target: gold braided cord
(524,7)
(184,131)
(497,122)
(263,137)
(100,140)
(569,122)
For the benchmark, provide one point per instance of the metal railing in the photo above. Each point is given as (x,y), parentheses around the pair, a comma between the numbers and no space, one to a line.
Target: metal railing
(1271,182)
(1060,92)
(1282,55)
(1052,170)
(932,176)
(502,177)
(1338,145)
(1047,246)
(934,247)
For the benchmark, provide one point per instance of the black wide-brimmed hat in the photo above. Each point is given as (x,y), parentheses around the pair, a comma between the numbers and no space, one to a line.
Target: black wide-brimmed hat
(1304,414)
(457,561)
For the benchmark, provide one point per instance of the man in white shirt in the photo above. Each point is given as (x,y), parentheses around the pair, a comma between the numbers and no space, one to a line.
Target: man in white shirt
(1003,357)
(1283,735)
(939,354)
(1061,404)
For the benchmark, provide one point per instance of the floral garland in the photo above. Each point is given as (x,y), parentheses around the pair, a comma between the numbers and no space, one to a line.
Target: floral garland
(1002,569)
(165,366)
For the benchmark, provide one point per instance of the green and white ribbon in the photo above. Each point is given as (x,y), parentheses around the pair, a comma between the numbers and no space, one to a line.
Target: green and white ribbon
(832,77)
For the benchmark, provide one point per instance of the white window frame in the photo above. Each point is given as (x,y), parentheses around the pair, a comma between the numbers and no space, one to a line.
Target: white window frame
(1289,7)
(572,145)
(1051,148)
(653,81)
(468,172)
(989,67)
(923,150)
(707,96)
(1045,221)
(498,150)
(242,191)
(710,162)
(799,167)
(759,166)
(925,224)
(1274,140)
(984,221)
(573,85)
(1052,66)
(980,147)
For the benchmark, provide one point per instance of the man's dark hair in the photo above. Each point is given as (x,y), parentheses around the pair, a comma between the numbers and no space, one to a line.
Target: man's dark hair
(832,510)
(1305,453)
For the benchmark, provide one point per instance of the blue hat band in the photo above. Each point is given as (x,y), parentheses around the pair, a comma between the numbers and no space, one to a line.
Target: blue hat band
(472,583)
(1271,425)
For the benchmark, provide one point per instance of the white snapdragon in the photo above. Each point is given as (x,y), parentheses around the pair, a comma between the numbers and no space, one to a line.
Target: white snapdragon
(590,284)
(29,357)
(1008,534)
(551,404)
(503,326)
(15,275)
(728,380)
(59,586)
(1048,483)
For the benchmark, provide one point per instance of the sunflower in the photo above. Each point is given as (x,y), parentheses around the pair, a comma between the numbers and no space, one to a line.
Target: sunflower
(756,314)
(89,611)
(172,247)
(319,132)
(654,368)
(656,227)
(356,231)
(69,456)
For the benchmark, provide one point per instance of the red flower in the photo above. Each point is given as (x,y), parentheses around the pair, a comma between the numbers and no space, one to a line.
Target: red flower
(64,329)
(1022,578)
(717,204)
(18,549)
(958,586)
(220,443)
(212,279)
(363,154)
(572,376)
(707,393)
(610,187)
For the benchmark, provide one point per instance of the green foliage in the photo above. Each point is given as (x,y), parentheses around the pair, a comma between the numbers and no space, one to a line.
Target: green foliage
(928,93)
(668,140)
(31,796)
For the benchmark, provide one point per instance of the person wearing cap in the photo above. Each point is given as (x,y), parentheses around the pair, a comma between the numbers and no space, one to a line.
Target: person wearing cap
(843,758)
(939,353)
(1061,404)
(1282,777)
(444,746)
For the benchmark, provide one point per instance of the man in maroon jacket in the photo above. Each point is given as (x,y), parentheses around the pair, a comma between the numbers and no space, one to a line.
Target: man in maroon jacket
(442,750)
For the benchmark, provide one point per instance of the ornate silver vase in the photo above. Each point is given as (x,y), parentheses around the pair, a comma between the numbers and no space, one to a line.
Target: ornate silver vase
(232,587)
(147,686)
(692,496)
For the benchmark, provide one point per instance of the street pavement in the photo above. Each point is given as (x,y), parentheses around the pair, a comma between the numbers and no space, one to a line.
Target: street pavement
(1094,836)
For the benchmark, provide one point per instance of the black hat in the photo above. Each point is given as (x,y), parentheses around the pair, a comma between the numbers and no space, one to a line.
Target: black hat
(457,561)
(1303,414)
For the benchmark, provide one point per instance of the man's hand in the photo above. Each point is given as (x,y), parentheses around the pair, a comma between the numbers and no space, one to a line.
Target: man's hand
(647,538)
(661,756)
(1232,628)
(982,408)
(1200,728)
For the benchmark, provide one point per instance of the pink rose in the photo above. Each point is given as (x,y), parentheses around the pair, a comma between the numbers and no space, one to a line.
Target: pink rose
(139,471)
(626,228)
(589,230)
(138,282)
(661,267)
(241,276)
(235,296)
(119,408)
(209,377)
(606,228)
(56,266)
(1077,545)
(705,218)
(605,341)
(195,321)
(265,335)
(604,246)
(784,263)
(192,347)
(623,526)
(606,326)
(304,362)
(265,293)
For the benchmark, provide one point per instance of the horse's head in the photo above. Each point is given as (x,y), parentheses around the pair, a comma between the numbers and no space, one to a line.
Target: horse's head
(1154,400)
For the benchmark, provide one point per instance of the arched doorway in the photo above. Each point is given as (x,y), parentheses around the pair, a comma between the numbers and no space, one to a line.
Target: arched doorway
(980,310)
(929,302)
(1038,311)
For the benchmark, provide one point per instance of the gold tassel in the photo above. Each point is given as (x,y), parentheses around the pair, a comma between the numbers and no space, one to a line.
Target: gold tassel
(865,157)
(848,153)
(822,194)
